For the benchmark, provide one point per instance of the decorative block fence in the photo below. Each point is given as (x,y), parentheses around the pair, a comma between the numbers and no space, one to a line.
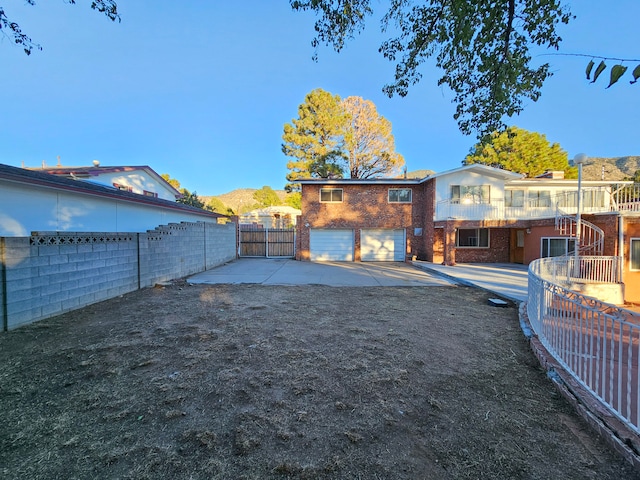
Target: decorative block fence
(50,273)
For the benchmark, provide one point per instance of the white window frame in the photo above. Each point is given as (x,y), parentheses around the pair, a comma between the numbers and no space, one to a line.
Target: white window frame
(540,195)
(470,194)
(631,256)
(331,190)
(509,198)
(567,249)
(399,190)
(478,238)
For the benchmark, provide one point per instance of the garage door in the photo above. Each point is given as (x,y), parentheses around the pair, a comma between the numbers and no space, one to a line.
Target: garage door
(382,245)
(331,245)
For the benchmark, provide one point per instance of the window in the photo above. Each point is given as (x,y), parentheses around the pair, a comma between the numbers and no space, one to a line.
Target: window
(634,254)
(150,194)
(514,198)
(556,247)
(540,198)
(472,237)
(593,198)
(467,194)
(124,188)
(330,195)
(568,199)
(399,195)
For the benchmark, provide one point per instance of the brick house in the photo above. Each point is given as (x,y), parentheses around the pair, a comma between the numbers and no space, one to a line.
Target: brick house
(471,214)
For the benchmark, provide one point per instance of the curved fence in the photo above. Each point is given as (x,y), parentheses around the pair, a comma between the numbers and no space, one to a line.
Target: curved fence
(596,342)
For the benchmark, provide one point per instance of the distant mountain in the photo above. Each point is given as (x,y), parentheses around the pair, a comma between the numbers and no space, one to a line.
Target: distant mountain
(616,168)
(241,198)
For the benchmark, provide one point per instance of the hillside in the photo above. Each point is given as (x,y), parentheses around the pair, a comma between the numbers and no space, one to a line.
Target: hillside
(241,197)
(617,168)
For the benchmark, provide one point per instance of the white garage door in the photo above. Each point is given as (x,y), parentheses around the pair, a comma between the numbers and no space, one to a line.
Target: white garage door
(382,245)
(331,245)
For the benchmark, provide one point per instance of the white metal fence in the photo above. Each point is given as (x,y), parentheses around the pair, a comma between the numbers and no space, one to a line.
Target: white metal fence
(597,343)
(592,269)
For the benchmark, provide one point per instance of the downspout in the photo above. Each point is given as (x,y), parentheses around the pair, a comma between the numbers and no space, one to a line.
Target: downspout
(620,247)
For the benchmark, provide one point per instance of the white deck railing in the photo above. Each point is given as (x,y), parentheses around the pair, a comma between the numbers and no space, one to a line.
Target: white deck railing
(627,198)
(595,200)
(597,343)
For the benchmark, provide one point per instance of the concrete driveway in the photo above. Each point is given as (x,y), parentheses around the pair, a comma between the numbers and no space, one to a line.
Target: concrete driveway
(338,274)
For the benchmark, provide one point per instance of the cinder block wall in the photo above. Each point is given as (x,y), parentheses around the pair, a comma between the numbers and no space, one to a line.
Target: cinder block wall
(50,273)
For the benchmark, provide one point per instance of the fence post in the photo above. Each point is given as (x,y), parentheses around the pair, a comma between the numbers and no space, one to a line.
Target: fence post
(266,241)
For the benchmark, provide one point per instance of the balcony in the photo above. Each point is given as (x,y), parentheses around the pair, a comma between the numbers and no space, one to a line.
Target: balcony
(600,200)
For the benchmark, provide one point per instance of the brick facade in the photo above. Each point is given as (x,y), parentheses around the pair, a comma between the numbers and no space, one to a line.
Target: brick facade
(365,205)
(362,207)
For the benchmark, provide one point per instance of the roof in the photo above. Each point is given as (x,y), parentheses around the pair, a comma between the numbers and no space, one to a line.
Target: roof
(46,180)
(482,170)
(96,170)
(360,181)
(561,182)
(475,167)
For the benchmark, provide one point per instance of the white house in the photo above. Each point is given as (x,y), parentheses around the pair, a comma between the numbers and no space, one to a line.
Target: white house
(142,180)
(281,216)
(32,201)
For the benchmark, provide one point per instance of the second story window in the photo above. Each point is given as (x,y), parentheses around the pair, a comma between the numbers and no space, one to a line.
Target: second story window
(330,195)
(470,194)
(399,195)
(150,194)
(540,198)
(514,198)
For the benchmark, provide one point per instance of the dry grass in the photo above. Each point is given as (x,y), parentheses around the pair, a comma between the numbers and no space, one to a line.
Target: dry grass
(258,382)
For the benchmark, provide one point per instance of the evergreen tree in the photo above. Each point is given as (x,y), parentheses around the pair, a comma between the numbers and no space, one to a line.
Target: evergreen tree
(521,151)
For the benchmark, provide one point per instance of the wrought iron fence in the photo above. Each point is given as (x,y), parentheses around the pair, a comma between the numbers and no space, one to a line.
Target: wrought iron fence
(597,343)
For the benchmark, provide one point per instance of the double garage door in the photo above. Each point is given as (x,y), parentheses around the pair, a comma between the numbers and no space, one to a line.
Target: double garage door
(376,245)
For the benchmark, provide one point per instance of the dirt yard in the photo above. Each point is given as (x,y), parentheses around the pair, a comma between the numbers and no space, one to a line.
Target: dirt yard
(264,382)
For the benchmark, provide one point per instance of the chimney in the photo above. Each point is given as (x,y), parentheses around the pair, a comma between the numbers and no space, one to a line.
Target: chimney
(552,174)
(96,163)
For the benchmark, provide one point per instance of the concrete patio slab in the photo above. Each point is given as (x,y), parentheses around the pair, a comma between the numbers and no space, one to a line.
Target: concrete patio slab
(340,274)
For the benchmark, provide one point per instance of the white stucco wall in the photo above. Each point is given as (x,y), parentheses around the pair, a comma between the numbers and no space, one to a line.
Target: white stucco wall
(24,209)
(444,182)
(138,180)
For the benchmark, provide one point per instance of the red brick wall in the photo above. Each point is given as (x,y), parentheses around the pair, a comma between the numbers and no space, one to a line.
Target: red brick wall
(498,251)
(363,206)
(608,223)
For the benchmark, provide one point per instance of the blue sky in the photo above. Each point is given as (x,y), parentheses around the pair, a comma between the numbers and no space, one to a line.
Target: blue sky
(202,90)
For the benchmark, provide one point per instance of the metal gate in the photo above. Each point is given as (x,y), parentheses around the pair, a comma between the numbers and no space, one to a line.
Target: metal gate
(266,242)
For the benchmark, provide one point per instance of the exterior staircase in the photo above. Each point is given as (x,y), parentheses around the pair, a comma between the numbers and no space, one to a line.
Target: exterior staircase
(591,236)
